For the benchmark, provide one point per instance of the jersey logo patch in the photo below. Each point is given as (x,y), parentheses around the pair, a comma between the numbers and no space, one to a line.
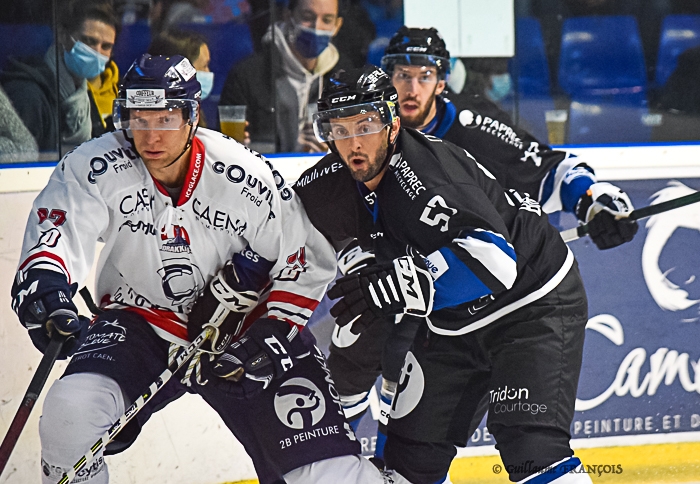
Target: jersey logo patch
(299,404)
(437,212)
(176,239)
(296,264)
(48,238)
(410,388)
(470,119)
(532,154)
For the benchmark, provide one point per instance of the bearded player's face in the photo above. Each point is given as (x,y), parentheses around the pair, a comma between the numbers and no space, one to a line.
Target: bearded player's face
(417,87)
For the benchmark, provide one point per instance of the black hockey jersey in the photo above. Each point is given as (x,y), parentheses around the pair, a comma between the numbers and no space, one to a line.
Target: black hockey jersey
(516,158)
(489,251)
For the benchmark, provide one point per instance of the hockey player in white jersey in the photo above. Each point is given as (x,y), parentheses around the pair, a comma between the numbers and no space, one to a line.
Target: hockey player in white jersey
(182,213)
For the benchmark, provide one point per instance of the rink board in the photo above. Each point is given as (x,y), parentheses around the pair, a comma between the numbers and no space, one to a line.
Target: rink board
(638,383)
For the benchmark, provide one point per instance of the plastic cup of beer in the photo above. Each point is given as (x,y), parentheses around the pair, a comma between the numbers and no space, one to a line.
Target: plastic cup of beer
(232,121)
(556,125)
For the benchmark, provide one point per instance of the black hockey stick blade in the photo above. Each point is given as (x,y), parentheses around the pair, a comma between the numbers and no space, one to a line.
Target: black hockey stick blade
(89,302)
(582,230)
(35,386)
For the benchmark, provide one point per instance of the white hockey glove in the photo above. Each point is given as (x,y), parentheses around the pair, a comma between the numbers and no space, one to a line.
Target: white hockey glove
(223,306)
(605,207)
(352,258)
(381,290)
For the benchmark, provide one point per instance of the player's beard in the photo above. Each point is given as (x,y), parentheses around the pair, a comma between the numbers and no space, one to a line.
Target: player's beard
(418,120)
(374,166)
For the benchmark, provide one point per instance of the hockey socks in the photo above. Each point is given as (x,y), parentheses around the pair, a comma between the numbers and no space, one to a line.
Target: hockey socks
(354,407)
(386,396)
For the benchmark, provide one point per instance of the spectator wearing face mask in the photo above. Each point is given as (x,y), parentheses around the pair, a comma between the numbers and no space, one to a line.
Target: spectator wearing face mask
(193,46)
(278,83)
(86,34)
(487,77)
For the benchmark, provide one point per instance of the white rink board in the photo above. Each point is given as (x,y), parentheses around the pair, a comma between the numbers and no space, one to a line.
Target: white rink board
(187,442)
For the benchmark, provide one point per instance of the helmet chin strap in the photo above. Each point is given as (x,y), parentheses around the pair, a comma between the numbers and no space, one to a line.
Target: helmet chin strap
(391,147)
(190,137)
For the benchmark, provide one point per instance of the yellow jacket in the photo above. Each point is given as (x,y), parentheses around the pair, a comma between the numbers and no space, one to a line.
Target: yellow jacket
(107,93)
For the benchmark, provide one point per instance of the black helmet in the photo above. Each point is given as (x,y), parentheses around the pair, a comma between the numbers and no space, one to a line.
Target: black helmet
(417,47)
(158,82)
(364,91)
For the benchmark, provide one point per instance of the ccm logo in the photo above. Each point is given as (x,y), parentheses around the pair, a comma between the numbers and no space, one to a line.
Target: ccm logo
(343,98)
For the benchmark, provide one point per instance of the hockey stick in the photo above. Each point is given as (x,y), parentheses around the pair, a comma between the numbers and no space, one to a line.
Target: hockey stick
(135,407)
(35,386)
(578,232)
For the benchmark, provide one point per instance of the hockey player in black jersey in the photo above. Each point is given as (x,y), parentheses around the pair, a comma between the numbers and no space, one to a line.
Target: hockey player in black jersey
(418,62)
(503,302)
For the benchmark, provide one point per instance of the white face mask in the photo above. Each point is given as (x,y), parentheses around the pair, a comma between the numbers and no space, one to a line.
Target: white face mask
(206,80)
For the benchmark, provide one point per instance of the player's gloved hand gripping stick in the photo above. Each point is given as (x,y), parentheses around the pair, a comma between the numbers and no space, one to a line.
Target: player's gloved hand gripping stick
(582,230)
(43,303)
(179,361)
(223,306)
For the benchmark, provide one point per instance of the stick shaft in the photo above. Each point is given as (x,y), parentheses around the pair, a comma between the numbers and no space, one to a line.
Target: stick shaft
(578,232)
(135,407)
(30,397)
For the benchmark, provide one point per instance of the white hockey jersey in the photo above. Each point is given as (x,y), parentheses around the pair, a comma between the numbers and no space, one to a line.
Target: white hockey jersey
(158,256)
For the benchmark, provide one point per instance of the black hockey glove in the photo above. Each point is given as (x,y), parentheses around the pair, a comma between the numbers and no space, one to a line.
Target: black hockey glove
(402,286)
(605,207)
(267,350)
(43,303)
(352,258)
(223,306)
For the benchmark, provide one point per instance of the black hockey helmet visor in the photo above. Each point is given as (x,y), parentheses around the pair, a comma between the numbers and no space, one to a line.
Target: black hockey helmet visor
(417,47)
(441,65)
(352,121)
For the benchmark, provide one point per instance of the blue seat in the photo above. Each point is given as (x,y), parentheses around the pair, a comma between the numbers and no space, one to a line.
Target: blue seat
(23,40)
(609,119)
(529,66)
(602,55)
(678,33)
(229,43)
(133,41)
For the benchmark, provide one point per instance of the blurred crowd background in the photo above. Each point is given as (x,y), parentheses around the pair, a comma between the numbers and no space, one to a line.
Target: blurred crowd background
(618,71)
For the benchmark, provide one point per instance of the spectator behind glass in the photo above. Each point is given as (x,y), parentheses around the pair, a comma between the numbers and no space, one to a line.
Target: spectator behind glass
(278,83)
(679,101)
(86,33)
(357,32)
(167,14)
(486,76)
(195,48)
(16,142)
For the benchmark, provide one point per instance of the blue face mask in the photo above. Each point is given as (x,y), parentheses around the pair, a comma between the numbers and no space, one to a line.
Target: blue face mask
(501,86)
(85,62)
(310,42)
(206,79)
